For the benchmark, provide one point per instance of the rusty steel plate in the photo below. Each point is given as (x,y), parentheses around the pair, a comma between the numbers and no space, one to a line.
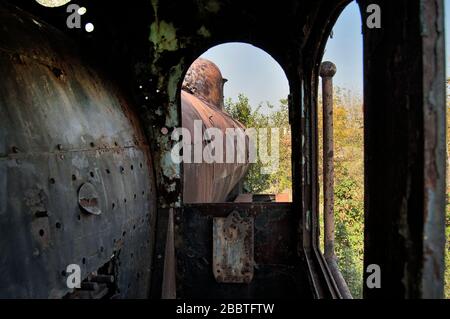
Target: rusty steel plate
(233,239)
(88,199)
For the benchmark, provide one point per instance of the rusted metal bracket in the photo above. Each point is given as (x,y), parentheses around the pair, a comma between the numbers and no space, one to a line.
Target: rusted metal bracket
(233,246)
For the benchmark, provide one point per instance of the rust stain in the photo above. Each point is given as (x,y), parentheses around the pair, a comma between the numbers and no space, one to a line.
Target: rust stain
(202,100)
(233,246)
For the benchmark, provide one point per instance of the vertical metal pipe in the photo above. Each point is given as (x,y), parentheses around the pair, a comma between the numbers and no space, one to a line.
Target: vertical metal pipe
(327,71)
(169,290)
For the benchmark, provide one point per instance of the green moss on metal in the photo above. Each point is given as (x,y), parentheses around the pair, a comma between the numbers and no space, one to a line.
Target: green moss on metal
(175,77)
(163,35)
(172,85)
(169,169)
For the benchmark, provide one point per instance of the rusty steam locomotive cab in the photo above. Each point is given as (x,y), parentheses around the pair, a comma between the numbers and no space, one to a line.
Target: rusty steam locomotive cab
(78,187)
(76,176)
(82,188)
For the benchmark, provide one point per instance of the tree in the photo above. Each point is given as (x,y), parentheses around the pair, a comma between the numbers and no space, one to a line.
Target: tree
(256,182)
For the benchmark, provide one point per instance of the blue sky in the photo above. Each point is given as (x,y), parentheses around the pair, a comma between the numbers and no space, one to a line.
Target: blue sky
(256,74)
(251,71)
(346,51)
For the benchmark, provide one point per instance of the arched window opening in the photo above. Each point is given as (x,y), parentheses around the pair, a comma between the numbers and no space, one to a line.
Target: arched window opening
(236,93)
(342,161)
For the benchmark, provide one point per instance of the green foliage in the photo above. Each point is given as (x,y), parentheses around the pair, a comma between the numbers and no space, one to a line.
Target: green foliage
(243,112)
(349,221)
(256,182)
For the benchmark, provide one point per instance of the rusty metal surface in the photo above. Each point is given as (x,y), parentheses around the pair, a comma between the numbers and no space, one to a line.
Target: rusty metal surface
(278,272)
(204,80)
(208,182)
(404,150)
(169,274)
(233,245)
(176,32)
(62,125)
(434,109)
(244,198)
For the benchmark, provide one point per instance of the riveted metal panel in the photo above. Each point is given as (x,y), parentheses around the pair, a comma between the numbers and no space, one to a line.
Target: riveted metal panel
(63,126)
(278,272)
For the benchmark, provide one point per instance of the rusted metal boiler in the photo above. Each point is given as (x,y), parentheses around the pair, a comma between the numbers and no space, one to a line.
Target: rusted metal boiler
(77,185)
(76,178)
(202,100)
